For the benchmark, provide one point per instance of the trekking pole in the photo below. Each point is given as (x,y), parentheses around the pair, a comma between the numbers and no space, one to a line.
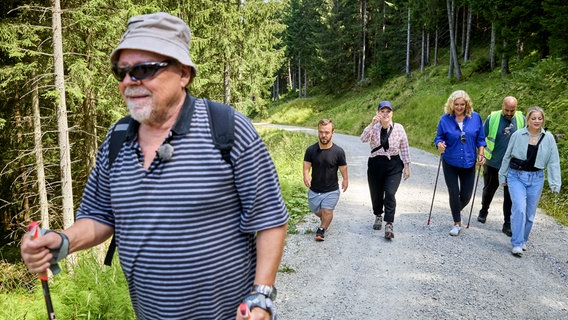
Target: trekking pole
(33,229)
(435,185)
(474,192)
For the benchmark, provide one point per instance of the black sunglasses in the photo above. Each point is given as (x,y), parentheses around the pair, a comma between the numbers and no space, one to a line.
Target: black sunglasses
(462,136)
(139,71)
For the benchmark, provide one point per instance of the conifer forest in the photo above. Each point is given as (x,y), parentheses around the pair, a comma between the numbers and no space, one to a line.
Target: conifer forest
(58,97)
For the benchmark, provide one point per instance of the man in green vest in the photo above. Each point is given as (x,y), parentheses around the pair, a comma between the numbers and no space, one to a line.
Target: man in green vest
(499,127)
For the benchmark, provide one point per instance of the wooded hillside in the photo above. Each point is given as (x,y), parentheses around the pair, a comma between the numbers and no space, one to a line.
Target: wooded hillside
(58,98)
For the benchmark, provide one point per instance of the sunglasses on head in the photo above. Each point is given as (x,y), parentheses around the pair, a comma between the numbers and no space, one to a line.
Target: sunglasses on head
(462,137)
(139,71)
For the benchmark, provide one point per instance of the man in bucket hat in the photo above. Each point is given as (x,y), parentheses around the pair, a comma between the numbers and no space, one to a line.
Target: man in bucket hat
(196,236)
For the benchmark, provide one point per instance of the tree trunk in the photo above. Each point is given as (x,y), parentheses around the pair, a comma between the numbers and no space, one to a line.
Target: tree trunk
(520,49)
(227,84)
(363,49)
(408,73)
(436,47)
(468,36)
(454,55)
(290,82)
(464,19)
(492,47)
(305,84)
(428,48)
(277,89)
(299,80)
(38,151)
(422,52)
(64,148)
(505,59)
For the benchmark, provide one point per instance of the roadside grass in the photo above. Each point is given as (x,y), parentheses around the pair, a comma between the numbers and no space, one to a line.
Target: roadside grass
(90,291)
(287,151)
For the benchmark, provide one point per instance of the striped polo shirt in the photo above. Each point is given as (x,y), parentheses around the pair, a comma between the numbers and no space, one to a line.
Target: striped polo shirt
(185,228)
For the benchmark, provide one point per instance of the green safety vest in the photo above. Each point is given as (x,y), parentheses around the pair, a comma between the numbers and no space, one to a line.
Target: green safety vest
(494,120)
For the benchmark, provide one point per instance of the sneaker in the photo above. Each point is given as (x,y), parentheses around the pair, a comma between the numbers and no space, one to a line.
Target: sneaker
(524,247)
(389,234)
(507,229)
(455,230)
(320,234)
(481,218)
(378,225)
(517,251)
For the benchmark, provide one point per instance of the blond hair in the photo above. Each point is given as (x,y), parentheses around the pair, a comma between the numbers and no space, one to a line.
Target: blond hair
(449,107)
(533,110)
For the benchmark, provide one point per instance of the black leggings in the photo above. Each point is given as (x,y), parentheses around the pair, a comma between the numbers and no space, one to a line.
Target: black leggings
(460,187)
(383,176)
(490,186)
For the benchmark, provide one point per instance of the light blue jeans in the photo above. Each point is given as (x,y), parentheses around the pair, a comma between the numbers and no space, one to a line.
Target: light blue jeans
(525,188)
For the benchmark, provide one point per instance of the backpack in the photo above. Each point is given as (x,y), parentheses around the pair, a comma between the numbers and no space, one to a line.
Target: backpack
(221,122)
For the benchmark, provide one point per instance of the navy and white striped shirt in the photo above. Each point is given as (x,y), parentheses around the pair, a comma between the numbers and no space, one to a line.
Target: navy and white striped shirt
(185,228)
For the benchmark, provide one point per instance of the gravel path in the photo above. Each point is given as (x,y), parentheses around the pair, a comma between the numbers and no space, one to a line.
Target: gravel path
(423,273)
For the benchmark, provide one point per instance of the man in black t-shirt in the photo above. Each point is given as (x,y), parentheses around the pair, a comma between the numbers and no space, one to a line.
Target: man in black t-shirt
(324,158)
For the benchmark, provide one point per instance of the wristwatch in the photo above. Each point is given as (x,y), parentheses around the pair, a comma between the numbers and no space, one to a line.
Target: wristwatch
(267,291)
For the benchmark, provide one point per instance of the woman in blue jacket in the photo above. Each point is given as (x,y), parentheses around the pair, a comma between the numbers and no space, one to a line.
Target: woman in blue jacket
(530,150)
(461,141)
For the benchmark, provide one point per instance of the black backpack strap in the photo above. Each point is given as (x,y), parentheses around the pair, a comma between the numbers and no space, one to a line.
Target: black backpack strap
(388,135)
(117,137)
(110,251)
(222,123)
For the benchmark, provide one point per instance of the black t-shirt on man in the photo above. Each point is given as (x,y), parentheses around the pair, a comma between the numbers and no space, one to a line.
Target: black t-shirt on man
(325,163)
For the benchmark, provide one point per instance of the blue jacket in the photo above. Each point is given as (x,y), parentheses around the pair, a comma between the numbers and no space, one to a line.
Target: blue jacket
(458,154)
(546,157)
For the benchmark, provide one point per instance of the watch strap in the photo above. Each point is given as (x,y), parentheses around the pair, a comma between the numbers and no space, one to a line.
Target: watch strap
(268,291)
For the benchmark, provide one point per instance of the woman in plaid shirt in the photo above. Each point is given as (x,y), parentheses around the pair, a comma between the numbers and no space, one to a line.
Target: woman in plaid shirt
(388,163)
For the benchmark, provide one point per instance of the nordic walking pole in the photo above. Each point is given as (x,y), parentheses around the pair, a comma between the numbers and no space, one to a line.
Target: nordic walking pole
(33,229)
(435,185)
(474,192)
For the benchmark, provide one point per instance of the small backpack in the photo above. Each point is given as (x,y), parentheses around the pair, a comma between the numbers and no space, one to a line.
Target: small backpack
(221,122)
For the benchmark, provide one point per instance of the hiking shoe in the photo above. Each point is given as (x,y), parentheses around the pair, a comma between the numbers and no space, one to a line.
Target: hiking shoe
(507,229)
(517,251)
(455,230)
(481,218)
(378,225)
(389,234)
(320,234)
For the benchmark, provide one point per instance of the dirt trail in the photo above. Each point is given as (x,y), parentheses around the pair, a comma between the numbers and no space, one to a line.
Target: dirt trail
(423,273)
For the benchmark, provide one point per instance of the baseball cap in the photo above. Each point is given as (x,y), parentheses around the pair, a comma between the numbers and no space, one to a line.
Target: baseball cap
(159,33)
(385,104)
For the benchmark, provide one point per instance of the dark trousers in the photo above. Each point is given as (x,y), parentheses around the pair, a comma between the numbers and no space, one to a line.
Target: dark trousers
(490,185)
(460,187)
(383,176)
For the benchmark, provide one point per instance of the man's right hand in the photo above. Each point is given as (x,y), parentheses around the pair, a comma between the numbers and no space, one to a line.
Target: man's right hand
(35,252)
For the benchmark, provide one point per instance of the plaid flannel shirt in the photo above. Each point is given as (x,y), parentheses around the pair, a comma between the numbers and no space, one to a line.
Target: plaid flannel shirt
(398,142)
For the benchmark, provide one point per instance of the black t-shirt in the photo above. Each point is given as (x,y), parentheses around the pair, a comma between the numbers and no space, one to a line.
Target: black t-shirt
(325,163)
